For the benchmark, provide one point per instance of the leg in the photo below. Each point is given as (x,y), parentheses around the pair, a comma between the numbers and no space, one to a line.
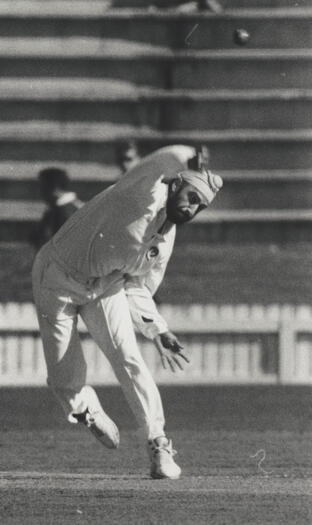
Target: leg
(65,360)
(109,323)
(57,319)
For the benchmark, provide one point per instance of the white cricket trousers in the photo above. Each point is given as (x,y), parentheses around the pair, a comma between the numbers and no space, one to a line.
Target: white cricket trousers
(59,300)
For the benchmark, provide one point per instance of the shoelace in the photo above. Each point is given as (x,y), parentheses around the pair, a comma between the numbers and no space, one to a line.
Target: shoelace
(82,416)
(168,448)
(86,418)
(90,422)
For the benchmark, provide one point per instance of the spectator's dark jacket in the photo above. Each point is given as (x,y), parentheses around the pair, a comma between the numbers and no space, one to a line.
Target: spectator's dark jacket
(54,218)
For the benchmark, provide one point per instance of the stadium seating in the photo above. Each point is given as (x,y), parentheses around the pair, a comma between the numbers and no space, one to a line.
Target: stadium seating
(225,4)
(78,77)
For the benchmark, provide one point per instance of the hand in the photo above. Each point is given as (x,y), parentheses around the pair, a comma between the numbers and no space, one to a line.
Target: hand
(170,177)
(201,159)
(169,349)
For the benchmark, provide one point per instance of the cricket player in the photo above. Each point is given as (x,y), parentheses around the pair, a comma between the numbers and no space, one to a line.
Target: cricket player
(105,264)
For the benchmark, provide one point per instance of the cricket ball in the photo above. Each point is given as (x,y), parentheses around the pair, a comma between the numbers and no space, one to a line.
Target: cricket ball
(241,37)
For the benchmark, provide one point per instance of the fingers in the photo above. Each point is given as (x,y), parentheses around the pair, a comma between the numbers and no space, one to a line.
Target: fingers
(171,364)
(169,348)
(158,345)
(173,361)
(184,357)
(164,360)
(177,362)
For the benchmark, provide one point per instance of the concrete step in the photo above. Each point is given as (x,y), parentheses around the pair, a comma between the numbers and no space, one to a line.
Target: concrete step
(106,101)
(102,90)
(88,172)
(255,274)
(259,195)
(246,276)
(28,189)
(157,66)
(260,3)
(244,69)
(238,110)
(187,6)
(98,142)
(244,190)
(91,9)
(217,226)
(269,28)
(22,210)
(244,227)
(92,172)
(235,195)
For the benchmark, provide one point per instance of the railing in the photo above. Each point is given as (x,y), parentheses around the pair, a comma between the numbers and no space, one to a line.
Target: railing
(226,344)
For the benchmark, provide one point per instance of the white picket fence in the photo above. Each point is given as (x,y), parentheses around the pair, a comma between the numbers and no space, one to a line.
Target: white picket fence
(226,344)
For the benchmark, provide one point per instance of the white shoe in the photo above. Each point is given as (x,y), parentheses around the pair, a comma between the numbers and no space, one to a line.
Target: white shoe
(97,421)
(162,463)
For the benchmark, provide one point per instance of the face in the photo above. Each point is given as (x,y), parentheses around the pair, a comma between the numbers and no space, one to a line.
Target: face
(128,160)
(128,164)
(184,203)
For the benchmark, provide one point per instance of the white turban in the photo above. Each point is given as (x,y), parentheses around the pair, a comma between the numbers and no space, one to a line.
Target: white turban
(205,182)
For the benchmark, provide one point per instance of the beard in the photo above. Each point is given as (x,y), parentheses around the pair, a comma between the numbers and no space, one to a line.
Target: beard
(175,214)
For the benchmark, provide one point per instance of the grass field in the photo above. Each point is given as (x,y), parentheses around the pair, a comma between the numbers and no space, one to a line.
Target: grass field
(55,473)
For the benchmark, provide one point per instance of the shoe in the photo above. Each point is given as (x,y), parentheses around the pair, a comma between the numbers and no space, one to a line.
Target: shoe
(97,421)
(161,455)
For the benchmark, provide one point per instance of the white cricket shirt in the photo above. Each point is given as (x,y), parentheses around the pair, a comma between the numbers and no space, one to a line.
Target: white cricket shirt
(119,232)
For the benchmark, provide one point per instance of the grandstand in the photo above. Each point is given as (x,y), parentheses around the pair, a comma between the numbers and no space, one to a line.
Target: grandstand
(79,77)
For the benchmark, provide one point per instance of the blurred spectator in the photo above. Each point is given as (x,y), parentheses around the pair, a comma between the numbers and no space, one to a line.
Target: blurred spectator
(128,156)
(61,204)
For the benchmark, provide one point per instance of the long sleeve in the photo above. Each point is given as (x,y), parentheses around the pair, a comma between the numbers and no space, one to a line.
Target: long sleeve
(144,313)
(109,232)
(140,291)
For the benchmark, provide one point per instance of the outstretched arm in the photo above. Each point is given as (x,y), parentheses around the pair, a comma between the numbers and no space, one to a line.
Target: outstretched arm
(152,325)
(148,320)
(144,312)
